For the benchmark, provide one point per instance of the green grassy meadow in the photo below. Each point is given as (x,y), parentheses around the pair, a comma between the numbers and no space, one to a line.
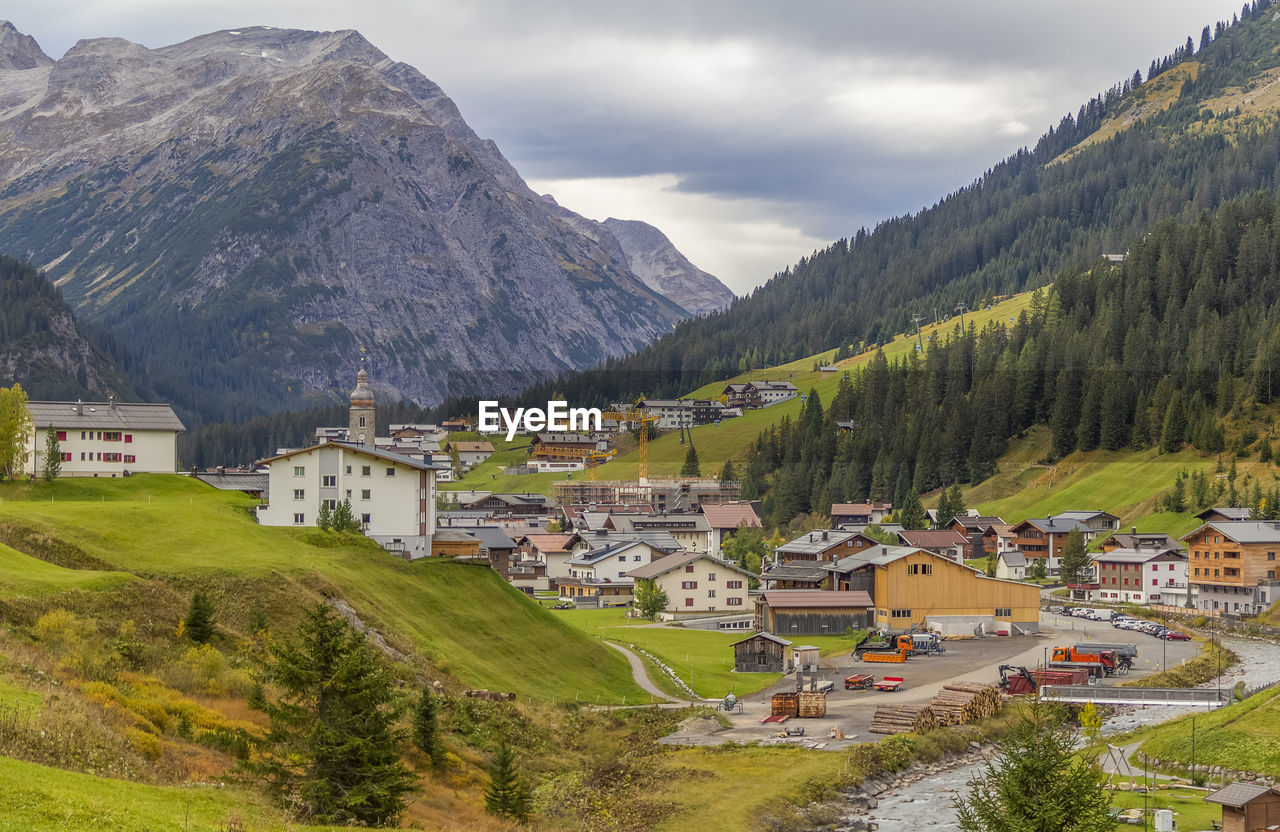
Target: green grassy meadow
(465,619)
(1243,736)
(703,659)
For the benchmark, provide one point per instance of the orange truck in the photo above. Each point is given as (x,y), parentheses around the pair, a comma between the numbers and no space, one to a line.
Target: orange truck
(898,656)
(1107,658)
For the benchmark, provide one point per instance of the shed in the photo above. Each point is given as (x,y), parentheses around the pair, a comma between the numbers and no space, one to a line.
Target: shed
(1247,806)
(808,612)
(805,655)
(761,653)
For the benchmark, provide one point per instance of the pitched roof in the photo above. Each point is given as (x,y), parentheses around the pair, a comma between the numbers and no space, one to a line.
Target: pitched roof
(551,542)
(689,522)
(858,509)
(730,515)
(815,542)
(876,556)
(854,599)
(471,446)
(932,538)
(765,636)
(1136,555)
(104,416)
(564,438)
(1244,531)
(591,556)
(795,572)
(490,537)
(662,566)
(1085,515)
(512,499)
(367,450)
(1237,795)
(1057,524)
(1229,512)
(240,481)
(1013,558)
(977,522)
(1151,540)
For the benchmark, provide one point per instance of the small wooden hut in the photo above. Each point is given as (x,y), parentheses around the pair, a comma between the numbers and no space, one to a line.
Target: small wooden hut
(761,653)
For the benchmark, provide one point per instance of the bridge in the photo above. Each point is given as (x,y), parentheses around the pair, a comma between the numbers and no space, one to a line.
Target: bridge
(1178,697)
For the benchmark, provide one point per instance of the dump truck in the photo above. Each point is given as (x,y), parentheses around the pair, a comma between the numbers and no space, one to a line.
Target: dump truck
(899,656)
(1111,663)
(1125,653)
(1093,669)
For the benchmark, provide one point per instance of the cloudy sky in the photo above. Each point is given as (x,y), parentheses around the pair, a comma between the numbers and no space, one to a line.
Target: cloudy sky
(750,132)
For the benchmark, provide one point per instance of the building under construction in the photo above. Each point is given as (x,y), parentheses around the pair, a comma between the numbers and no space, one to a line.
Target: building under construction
(664,494)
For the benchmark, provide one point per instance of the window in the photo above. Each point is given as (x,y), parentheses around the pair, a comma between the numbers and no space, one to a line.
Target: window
(329,480)
(62,436)
(733,584)
(733,602)
(82,456)
(1004,612)
(365,470)
(711,576)
(711,593)
(82,434)
(299,470)
(689,568)
(128,438)
(688,584)
(299,494)
(366,494)
(130,458)
(348,493)
(366,518)
(1155,582)
(688,602)
(112,436)
(299,519)
(391,472)
(636,558)
(900,614)
(111,457)
(348,469)
(1197,571)
(920,569)
(66,456)
(361,421)
(1271,555)
(622,574)
(332,504)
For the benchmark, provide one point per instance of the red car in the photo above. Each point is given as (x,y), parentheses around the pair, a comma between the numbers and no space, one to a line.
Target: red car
(1174,635)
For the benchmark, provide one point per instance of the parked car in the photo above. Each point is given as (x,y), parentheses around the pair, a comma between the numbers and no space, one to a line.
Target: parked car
(1174,635)
(1121,621)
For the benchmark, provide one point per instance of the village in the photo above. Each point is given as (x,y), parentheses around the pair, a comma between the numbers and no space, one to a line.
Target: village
(870,628)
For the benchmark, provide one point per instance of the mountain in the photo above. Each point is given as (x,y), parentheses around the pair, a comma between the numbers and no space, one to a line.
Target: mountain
(1202,128)
(44,349)
(252,208)
(657,262)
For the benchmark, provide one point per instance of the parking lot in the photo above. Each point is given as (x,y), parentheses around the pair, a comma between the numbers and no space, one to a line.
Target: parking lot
(975,660)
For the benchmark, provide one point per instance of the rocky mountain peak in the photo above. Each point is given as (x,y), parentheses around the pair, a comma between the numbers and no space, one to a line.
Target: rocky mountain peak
(19,51)
(656,261)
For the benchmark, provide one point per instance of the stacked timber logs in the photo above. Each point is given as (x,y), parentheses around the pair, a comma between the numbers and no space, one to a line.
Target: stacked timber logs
(897,719)
(962,702)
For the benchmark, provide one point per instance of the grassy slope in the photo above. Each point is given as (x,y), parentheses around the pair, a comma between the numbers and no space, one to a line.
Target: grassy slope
(24,575)
(1243,736)
(718,443)
(467,620)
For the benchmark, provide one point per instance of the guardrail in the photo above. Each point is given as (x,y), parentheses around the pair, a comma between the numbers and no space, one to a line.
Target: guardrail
(1189,697)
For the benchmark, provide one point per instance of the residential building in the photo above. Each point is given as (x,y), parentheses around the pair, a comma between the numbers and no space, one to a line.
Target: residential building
(726,518)
(512,505)
(496,545)
(104,439)
(795,575)
(801,612)
(982,533)
(598,577)
(669,414)
(690,530)
(1133,540)
(1093,520)
(1043,538)
(1233,566)
(470,454)
(696,583)
(1141,576)
(859,514)
(661,493)
(743,396)
(946,542)
(774,392)
(563,446)
(1011,566)
(1215,515)
(553,551)
(822,546)
(913,587)
(392,497)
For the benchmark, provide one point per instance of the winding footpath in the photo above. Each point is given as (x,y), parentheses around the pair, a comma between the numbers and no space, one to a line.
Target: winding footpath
(641,674)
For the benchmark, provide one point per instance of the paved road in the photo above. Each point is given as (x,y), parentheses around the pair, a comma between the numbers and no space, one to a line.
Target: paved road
(641,674)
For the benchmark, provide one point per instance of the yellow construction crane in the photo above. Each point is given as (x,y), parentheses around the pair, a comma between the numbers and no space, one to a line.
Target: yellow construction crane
(644,419)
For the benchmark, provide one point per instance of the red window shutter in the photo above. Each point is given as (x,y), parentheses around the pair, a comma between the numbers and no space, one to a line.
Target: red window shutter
(62,436)
(128,437)
(688,602)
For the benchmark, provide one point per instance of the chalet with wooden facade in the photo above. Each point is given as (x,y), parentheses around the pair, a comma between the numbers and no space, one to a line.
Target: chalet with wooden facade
(946,542)
(726,518)
(1233,566)
(859,514)
(1159,541)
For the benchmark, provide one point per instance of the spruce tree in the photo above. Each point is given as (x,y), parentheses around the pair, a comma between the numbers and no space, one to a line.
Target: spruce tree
(950,505)
(324,518)
(344,520)
(911,513)
(727,473)
(1075,562)
(426,731)
(1038,783)
(331,750)
(52,454)
(199,622)
(506,796)
(1174,432)
(691,467)
(1066,413)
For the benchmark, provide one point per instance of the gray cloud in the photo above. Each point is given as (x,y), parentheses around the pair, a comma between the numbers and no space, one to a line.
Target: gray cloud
(818,117)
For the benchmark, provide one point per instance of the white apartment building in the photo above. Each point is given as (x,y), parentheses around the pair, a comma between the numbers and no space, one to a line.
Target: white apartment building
(393,497)
(1141,576)
(697,584)
(104,439)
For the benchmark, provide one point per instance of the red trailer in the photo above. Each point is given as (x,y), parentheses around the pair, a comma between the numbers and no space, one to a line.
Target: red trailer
(1019,681)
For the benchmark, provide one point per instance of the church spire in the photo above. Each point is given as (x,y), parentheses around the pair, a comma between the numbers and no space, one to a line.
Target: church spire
(362,425)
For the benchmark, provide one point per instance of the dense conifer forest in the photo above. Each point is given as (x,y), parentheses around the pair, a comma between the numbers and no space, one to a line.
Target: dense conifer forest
(1153,352)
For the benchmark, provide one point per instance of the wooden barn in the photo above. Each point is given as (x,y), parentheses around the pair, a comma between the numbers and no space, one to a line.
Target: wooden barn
(761,653)
(812,612)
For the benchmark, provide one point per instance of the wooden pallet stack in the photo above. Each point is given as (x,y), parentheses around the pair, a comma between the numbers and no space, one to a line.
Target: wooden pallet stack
(963,702)
(897,719)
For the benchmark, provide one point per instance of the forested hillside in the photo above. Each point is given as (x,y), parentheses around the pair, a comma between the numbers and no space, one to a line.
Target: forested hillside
(1157,351)
(1181,143)
(44,349)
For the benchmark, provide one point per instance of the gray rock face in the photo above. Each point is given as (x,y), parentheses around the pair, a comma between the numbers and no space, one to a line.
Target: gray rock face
(653,259)
(253,206)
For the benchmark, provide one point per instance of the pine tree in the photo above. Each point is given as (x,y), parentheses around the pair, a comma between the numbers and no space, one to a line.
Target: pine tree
(52,454)
(950,505)
(331,750)
(425,729)
(1066,413)
(506,796)
(1174,432)
(344,519)
(911,513)
(1038,783)
(728,473)
(1177,497)
(199,622)
(324,518)
(691,467)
